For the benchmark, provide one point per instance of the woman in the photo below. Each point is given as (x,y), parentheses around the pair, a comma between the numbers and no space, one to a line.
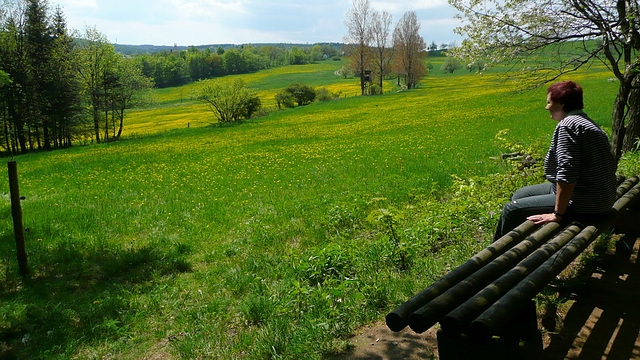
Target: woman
(579,166)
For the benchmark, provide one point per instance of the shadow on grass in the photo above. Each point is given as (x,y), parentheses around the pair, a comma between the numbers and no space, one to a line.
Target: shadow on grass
(76,295)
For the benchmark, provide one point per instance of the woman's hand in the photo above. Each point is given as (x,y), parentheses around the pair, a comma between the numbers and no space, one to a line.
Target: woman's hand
(544,218)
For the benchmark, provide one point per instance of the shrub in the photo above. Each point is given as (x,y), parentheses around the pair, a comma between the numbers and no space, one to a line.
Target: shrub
(302,93)
(285,99)
(296,93)
(230,101)
(323,94)
(450,65)
(375,90)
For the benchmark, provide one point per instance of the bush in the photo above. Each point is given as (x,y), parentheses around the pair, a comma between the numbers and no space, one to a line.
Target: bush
(375,90)
(300,93)
(251,106)
(450,65)
(285,99)
(323,94)
(229,101)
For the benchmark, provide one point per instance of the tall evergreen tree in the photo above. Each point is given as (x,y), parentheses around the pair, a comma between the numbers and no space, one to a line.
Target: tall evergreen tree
(38,36)
(13,60)
(66,99)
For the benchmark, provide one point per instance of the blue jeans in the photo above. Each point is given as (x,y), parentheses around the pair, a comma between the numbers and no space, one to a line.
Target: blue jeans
(527,201)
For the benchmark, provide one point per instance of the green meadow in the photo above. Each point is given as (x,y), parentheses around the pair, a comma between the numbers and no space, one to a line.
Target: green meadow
(275,238)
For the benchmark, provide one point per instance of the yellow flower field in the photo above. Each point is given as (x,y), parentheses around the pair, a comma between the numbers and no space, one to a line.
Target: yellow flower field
(251,240)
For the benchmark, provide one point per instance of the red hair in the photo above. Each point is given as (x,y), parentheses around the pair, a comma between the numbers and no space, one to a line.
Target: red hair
(567,93)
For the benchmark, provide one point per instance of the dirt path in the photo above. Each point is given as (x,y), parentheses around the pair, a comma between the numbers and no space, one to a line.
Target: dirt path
(601,320)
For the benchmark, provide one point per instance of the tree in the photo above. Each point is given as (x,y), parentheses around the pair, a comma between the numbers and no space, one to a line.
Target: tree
(41,106)
(358,38)
(230,101)
(65,95)
(38,37)
(381,33)
(568,34)
(13,60)
(409,49)
(450,65)
(127,91)
(98,59)
(297,56)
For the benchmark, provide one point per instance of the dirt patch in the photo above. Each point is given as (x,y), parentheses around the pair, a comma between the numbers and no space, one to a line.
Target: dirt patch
(600,319)
(377,342)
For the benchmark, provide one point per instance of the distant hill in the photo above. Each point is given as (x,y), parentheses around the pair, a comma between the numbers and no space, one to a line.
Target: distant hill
(150,49)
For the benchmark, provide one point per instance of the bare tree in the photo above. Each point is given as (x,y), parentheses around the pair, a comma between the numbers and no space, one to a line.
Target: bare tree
(409,49)
(572,33)
(358,38)
(381,34)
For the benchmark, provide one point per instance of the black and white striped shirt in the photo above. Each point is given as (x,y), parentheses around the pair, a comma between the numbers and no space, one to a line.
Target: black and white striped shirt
(580,154)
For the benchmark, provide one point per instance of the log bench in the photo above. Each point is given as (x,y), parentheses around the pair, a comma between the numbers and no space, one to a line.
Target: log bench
(485,306)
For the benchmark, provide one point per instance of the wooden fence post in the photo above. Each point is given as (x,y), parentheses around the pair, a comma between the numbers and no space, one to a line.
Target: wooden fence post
(16,213)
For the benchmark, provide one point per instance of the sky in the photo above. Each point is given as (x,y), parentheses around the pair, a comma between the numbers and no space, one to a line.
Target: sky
(204,22)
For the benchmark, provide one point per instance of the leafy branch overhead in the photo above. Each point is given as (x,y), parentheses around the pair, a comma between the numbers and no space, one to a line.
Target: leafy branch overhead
(546,40)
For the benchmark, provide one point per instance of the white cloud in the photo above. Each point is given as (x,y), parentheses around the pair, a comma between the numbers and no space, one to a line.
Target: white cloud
(78,4)
(207,8)
(410,5)
(199,22)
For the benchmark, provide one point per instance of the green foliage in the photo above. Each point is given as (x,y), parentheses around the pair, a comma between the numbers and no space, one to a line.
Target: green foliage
(302,93)
(285,99)
(297,57)
(389,222)
(5,79)
(324,94)
(253,241)
(229,101)
(343,218)
(322,265)
(450,65)
(629,164)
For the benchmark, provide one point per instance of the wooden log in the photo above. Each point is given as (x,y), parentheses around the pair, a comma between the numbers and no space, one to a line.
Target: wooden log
(459,319)
(398,319)
(495,318)
(626,185)
(432,312)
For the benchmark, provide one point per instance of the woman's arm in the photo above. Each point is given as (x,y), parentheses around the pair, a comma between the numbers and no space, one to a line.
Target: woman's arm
(564,191)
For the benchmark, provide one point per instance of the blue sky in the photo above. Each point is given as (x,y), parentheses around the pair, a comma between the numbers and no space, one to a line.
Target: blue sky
(201,22)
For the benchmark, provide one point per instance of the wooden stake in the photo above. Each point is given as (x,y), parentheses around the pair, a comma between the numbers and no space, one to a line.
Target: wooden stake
(16,213)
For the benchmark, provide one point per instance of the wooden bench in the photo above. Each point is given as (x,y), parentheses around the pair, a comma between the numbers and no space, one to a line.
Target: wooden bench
(485,306)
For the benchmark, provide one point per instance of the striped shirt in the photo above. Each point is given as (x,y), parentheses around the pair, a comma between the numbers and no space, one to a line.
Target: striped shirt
(580,154)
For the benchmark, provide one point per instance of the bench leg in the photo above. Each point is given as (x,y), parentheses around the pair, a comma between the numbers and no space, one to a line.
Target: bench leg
(520,340)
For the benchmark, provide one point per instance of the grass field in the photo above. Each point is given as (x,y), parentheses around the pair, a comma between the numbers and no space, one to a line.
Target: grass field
(263,240)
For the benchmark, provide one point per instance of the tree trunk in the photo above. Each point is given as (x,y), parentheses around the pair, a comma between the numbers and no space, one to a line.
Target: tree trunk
(46,141)
(96,120)
(626,113)
(121,115)
(632,130)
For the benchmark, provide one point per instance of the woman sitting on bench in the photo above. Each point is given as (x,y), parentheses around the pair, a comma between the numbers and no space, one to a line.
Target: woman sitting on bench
(579,166)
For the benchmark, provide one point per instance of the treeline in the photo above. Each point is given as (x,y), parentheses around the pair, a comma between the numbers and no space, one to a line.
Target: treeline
(375,51)
(59,87)
(178,67)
